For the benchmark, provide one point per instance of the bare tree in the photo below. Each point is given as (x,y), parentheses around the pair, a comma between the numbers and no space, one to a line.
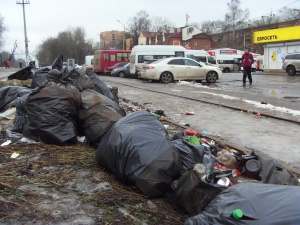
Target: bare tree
(3,29)
(160,24)
(137,24)
(210,27)
(235,17)
(70,43)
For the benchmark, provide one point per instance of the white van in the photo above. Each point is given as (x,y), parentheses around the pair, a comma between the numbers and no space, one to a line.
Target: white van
(229,62)
(142,53)
(88,62)
(202,56)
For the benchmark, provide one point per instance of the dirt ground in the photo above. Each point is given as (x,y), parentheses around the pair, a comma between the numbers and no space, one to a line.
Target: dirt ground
(50,184)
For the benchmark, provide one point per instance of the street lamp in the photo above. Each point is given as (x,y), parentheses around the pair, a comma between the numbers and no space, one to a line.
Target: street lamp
(123,33)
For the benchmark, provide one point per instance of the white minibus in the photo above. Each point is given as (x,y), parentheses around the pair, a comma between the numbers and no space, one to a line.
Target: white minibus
(142,53)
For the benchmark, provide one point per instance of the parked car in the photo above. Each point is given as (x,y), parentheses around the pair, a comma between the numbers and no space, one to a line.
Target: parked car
(178,68)
(291,63)
(108,69)
(145,63)
(121,71)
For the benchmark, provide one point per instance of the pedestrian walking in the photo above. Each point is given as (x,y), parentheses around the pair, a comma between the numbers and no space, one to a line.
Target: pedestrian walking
(21,65)
(247,61)
(8,64)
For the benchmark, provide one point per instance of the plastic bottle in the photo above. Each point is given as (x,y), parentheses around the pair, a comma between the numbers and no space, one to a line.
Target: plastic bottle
(191,132)
(227,159)
(209,163)
(236,214)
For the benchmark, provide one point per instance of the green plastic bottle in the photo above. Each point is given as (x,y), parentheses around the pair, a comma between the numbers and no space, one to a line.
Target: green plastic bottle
(237,214)
(194,140)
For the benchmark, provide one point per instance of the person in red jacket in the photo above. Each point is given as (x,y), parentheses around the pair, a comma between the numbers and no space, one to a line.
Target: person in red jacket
(247,61)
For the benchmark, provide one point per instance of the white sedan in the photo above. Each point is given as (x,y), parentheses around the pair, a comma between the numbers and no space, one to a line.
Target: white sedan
(178,68)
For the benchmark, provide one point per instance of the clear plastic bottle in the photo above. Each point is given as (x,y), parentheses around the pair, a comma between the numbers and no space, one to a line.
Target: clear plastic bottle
(209,163)
(227,159)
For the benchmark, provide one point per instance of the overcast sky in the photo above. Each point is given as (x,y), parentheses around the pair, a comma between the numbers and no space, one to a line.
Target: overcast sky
(46,18)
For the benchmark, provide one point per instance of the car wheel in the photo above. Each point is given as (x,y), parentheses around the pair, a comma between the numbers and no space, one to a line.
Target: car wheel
(122,74)
(211,77)
(291,71)
(166,77)
(226,70)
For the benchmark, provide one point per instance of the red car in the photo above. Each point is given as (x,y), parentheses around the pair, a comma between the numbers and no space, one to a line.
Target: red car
(107,70)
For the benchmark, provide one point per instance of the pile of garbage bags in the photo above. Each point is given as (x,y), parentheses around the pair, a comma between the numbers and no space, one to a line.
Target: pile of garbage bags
(214,184)
(61,104)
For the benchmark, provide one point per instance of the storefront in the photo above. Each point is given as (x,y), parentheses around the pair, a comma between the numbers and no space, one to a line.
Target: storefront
(278,43)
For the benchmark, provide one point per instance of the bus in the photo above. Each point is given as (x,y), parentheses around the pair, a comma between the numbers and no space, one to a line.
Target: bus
(106,58)
(229,62)
(143,53)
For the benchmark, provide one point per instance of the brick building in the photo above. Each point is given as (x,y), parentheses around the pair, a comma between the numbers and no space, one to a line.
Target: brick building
(189,37)
(243,35)
(111,39)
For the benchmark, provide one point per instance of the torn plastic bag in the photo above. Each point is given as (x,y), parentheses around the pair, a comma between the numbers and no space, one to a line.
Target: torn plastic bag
(137,151)
(78,79)
(192,193)
(23,74)
(261,204)
(99,84)
(21,117)
(10,93)
(52,114)
(98,113)
(274,173)
(190,154)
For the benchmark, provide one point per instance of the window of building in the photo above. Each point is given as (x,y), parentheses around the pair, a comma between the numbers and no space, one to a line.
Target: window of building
(195,43)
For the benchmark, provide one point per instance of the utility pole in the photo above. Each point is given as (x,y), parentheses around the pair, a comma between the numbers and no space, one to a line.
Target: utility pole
(123,33)
(25,32)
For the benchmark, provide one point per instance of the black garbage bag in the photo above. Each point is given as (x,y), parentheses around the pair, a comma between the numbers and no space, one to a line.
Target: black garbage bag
(137,151)
(10,93)
(192,193)
(52,114)
(23,74)
(21,117)
(40,77)
(78,79)
(98,113)
(190,154)
(261,204)
(274,173)
(99,84)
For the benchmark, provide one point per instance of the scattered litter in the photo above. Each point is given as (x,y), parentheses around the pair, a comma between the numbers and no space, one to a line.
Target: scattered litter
(257,116)
(190,113)
(14,155)
(166,126)
(27,140)
(6,143)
